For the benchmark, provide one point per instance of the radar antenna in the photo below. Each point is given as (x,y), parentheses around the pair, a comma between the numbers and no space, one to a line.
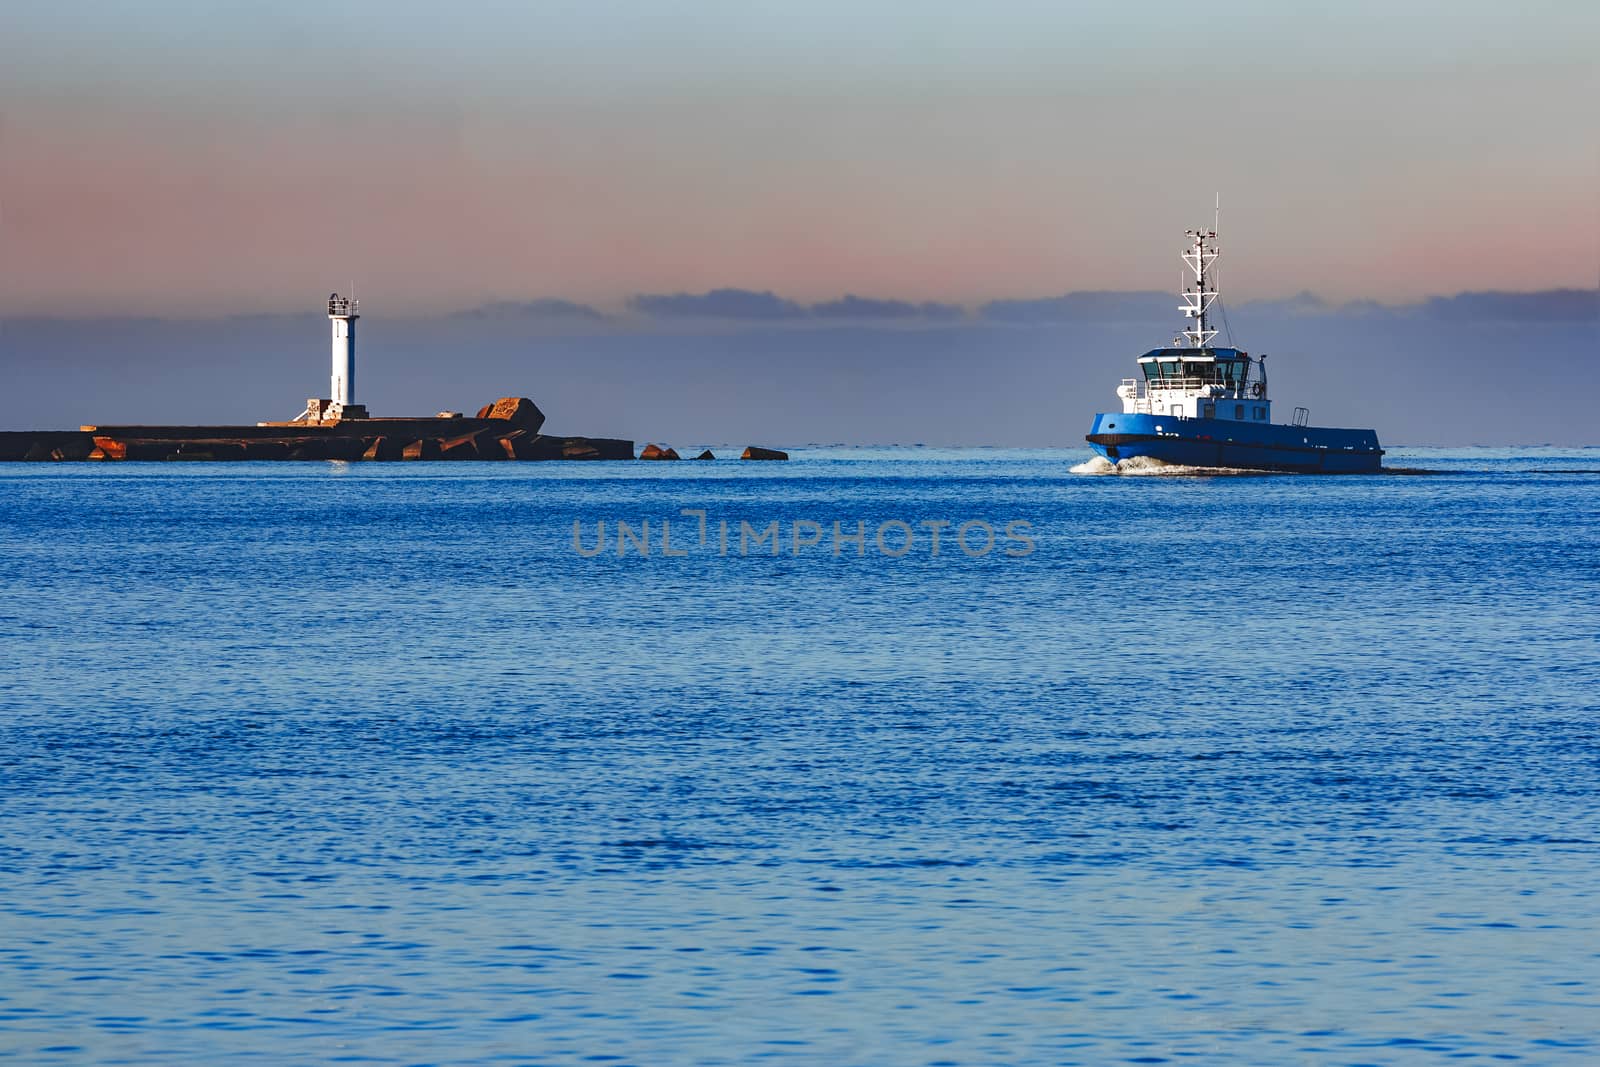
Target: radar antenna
(1198,298)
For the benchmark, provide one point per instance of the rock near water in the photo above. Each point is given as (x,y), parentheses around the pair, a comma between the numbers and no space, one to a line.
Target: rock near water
(519,411)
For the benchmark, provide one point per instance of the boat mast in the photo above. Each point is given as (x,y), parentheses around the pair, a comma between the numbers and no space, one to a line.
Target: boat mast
(1198,298)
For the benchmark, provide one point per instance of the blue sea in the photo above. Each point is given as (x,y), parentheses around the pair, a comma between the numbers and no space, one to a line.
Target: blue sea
(378,764)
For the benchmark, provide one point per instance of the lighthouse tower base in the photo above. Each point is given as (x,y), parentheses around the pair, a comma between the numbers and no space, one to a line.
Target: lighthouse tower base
(321,411)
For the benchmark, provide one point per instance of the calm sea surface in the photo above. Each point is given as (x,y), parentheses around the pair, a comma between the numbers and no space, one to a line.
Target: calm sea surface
(366,764)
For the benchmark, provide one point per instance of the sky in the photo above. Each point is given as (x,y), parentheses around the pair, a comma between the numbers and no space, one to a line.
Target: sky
(831,221)
(192,160)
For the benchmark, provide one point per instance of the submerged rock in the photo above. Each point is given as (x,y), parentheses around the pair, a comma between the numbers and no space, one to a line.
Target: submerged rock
(457,448)
(606,447)
(525,445)
(54,449)
(213,451)
(506,443)
(45,445)
(383,448)
(490,445)
(267,450)
(706,455)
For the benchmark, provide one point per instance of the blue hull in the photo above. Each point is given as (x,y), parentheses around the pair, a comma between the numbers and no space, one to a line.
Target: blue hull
(1237,445)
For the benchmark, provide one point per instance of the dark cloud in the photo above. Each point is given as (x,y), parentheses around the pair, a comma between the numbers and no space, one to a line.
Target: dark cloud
(717,304)
(1551,305)
(532,309)
(1301,303)
(851,306)
(1084,307)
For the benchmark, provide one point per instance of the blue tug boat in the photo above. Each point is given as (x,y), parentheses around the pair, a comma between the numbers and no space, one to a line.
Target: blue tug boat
(1198,405)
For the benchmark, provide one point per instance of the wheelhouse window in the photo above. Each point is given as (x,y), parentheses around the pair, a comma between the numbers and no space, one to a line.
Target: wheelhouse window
(1230,373)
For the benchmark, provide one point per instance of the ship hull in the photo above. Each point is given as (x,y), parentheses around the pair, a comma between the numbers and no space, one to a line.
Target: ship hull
(1235,445)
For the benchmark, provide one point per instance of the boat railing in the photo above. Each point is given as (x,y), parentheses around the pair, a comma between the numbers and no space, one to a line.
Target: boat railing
(1174,384)
(1133,388)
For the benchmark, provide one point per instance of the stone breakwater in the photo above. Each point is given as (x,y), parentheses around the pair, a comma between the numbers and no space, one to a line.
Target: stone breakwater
(508,429)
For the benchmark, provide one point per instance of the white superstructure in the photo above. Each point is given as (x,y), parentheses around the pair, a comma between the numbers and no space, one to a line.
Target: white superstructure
(1198,383)
(1192,379)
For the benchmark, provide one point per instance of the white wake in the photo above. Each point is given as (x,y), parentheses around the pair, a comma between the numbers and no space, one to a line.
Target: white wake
(1148,466)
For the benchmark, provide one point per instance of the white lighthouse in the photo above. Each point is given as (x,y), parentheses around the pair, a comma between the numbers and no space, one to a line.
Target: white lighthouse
(342,315)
